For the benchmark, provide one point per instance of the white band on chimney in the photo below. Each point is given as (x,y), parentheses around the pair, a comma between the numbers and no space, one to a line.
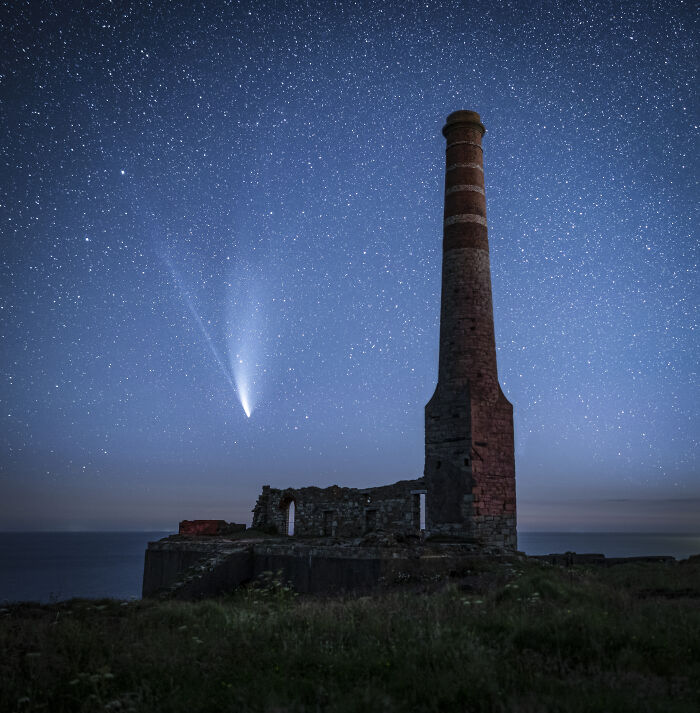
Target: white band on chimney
(460,188)
(465,218)
(452,166)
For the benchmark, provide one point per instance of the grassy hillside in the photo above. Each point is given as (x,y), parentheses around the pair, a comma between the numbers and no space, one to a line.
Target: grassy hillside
(520,637)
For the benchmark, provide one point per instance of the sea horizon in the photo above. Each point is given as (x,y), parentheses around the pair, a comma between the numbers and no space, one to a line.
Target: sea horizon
(520,532)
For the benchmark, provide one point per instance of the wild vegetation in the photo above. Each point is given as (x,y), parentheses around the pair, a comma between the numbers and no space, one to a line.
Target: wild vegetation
(512,637)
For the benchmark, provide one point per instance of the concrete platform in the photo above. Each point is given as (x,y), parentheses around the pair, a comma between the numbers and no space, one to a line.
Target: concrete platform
(196,567)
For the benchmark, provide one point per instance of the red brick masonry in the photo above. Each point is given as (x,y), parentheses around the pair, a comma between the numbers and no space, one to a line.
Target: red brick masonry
(209,527)
(469,449)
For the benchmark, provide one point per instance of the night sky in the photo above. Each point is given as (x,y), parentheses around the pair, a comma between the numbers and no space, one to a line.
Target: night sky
(208,208)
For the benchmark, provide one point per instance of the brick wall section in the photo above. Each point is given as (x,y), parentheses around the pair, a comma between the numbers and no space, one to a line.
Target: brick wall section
(469,448)
(209,527)
(341,512)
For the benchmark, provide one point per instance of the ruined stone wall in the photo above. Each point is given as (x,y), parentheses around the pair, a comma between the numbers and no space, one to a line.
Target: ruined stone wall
(341,512)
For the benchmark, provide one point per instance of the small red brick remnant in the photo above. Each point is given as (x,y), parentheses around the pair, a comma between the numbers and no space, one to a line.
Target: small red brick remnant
(209,527)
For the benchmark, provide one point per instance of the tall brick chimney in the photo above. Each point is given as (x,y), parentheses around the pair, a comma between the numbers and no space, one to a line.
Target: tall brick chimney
(469,448)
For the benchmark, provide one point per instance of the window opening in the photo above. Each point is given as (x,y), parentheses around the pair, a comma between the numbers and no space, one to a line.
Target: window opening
(291,514)
(422,511)
(371,520)
(328,523)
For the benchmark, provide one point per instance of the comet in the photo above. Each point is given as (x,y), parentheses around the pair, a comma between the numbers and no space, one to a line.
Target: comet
(245,321)
(243,395)
(238,386)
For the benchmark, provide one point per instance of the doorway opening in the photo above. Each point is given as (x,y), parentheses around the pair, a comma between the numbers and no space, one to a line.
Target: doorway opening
(418,510)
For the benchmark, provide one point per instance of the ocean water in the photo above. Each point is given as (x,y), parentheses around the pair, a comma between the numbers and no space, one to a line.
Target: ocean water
(610,544)
(52,566)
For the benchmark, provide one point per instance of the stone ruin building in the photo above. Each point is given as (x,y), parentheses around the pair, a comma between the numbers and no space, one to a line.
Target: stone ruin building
(342,512)
(467,492)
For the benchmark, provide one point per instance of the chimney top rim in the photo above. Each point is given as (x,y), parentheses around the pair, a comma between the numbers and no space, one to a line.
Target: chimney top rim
(463,117)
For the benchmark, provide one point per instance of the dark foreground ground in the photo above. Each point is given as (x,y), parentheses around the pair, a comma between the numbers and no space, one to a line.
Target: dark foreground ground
(517,637)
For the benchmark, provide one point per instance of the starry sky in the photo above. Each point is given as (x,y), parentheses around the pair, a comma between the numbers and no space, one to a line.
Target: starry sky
(222,208)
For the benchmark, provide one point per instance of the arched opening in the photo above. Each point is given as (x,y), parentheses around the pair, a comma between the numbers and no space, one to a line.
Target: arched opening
(291,512)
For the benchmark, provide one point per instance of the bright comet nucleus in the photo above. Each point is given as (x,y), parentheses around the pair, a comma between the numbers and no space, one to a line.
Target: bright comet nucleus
(244,402)
(242,378)
(246,327)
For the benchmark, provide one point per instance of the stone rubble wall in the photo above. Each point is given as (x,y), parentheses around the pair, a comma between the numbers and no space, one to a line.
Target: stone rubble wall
(341,512)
